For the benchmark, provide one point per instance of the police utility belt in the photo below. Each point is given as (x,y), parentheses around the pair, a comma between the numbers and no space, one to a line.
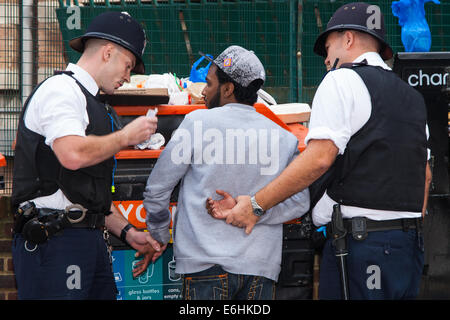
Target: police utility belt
(359,227)
(37,225)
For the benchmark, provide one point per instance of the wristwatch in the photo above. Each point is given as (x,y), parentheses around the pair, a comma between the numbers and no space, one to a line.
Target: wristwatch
(257,210)
(123,233)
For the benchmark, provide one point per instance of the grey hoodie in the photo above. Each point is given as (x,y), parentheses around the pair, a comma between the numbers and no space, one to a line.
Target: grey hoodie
(236,149)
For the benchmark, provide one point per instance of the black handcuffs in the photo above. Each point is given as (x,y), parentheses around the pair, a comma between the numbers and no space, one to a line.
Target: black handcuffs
(38,229)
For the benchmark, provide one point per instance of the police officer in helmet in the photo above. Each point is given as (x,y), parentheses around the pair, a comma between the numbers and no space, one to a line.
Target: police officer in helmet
(63,169)
(366,153)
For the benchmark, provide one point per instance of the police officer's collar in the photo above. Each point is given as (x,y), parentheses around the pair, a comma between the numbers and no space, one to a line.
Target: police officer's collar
(373,59)
(84,78)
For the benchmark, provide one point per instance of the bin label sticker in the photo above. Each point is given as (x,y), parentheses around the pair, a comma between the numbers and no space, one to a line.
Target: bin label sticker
(158,282)
(134,212)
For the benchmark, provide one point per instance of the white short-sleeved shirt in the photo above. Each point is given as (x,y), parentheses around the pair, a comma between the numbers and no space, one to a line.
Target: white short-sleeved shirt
(341,106)
(58,109)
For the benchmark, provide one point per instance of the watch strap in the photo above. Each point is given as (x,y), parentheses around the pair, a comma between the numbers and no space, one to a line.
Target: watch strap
(257,210)
(123,233)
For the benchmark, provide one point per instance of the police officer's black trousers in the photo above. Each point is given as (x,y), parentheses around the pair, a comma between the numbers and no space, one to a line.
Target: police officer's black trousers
(71,265)
(386,265)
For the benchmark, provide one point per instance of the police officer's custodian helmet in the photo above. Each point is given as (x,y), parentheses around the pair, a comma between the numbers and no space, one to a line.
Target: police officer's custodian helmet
(358,16)
(120,28)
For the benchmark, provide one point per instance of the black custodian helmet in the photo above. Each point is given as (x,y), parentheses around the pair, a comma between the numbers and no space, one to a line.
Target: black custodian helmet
(117,27)
(358,16)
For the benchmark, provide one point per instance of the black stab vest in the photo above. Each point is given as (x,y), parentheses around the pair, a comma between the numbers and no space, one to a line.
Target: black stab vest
(383,166)
(37,171)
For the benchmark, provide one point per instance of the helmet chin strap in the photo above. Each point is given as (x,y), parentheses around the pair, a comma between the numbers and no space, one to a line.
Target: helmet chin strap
(334,64)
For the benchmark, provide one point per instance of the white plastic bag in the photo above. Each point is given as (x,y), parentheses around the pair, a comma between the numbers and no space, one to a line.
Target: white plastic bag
(166,80)
(156,141)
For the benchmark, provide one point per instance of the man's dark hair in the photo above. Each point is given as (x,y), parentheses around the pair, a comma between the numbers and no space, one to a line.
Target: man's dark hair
(245,95)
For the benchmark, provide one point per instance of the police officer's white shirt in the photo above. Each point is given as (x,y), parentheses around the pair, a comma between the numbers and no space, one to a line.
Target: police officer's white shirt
(341,107)
(58,109)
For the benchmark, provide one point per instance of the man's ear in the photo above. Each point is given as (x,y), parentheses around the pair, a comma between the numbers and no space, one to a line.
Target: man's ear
(107,51)
(349,38)
(227,89)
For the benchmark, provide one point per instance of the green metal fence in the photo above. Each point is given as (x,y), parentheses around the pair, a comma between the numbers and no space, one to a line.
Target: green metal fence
(10,103)
(281,32)
(9,75)
(30,49)
(317,13)
(177,30)
(34,37)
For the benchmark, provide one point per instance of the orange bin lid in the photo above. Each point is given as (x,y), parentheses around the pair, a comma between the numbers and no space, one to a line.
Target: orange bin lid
(300,132)
(297,129)
(2,161)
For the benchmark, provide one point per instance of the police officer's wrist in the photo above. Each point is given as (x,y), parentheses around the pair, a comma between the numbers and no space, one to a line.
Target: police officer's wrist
(257,209)
(122,139)
(123,233)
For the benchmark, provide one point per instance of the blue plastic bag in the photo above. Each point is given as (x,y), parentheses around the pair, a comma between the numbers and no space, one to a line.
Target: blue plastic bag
(416,35)
(199,74)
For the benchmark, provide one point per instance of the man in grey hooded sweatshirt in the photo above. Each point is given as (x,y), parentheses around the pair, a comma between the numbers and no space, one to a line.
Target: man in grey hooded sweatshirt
(230,146)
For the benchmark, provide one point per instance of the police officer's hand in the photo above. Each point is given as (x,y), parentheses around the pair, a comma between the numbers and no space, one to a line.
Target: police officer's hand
(242,214)
(139,130)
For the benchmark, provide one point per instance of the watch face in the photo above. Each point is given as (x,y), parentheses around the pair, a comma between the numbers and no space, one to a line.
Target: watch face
(258,212)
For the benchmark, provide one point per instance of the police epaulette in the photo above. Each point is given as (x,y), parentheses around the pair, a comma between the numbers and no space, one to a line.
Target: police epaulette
(57,72)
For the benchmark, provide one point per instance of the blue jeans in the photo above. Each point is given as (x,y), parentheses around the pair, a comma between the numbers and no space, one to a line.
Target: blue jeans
(217,284)
(386,265)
